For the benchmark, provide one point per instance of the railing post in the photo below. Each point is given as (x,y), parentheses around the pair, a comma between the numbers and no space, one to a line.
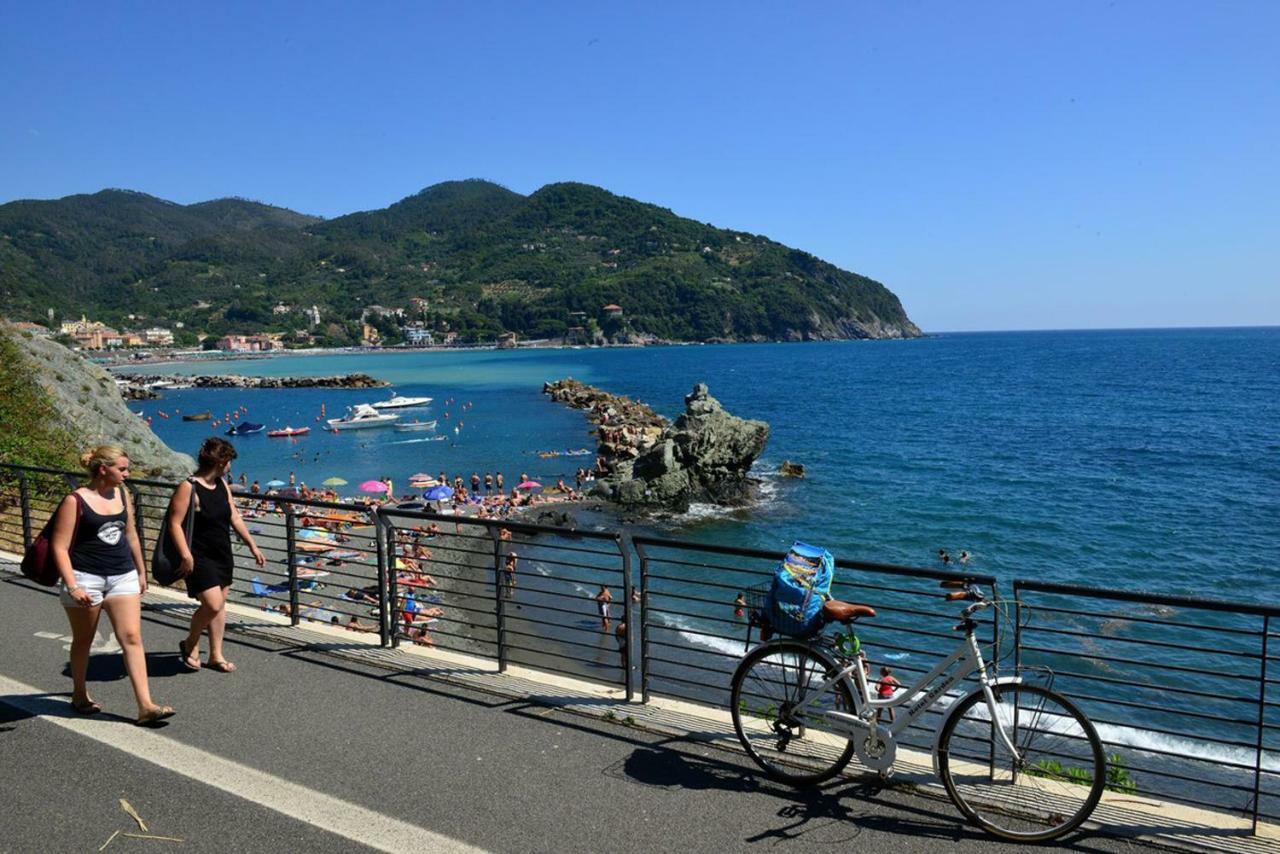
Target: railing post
(644,621)
(623,541)
(1262,719)
(291,560)
(139,523)
(386,582)
(24,497)
(499,603)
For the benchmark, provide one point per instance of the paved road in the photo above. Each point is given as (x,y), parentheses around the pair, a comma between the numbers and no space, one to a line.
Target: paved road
(302,750)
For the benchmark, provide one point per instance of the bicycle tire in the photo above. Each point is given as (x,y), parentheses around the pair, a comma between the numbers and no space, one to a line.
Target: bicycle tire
(1046,790)
(768,681)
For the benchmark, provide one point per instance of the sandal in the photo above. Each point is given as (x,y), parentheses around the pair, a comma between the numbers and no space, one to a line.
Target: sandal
(154,716)
(186,658)
(220,666)
(86,707)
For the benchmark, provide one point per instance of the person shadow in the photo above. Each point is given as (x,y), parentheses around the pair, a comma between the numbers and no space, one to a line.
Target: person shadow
(109,666)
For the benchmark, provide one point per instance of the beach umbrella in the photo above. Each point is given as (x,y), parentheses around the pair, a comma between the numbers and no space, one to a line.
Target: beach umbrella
(421,476)
(334,481)
(373,486)
(272,484)
(438,493)
(529,484)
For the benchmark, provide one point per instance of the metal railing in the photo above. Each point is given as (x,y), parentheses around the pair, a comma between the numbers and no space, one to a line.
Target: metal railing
(1182,690)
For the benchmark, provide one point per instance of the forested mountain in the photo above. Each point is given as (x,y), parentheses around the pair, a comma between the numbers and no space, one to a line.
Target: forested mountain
(484,258)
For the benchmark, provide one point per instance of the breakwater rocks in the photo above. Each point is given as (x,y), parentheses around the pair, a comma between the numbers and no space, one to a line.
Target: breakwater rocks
(645,461)
(234,381)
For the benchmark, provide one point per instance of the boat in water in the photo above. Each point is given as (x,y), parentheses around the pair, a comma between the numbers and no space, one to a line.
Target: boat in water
(360,416)
(197,416)
(246,428)
(411,426)
(288,431)
(401,402)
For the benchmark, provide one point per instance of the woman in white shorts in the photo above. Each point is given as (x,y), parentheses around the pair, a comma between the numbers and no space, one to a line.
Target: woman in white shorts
(95,545)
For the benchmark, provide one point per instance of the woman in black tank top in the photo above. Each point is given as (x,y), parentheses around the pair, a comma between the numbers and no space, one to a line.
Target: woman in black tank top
(207,561)
(99,558)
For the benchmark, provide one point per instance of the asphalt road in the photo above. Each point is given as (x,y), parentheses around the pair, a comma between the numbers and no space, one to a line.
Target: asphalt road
(253,758)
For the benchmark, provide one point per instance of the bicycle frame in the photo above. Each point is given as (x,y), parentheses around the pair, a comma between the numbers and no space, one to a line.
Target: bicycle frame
(917,699)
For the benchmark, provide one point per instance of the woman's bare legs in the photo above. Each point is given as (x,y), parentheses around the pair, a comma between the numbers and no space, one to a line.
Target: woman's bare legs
(211,615)
(125,613)
(84,628)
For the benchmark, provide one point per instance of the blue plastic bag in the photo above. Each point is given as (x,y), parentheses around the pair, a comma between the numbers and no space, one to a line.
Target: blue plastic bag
(800,585)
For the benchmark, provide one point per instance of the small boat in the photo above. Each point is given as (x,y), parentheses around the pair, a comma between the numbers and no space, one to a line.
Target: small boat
(399,402)
(246,428)
(409,426)
(197,416)
(288,431)
(360,416)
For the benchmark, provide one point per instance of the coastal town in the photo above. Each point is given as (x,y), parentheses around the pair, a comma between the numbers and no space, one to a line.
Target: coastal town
(379,327)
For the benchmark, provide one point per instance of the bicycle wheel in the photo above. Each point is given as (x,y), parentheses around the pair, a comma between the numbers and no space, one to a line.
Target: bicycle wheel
(795,747)
(1047,788)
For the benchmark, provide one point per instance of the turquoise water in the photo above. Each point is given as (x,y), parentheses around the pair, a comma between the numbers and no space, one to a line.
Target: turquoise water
(1147,460)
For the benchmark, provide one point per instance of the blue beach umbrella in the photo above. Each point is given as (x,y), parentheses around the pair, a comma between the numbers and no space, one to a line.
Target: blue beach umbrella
(438,493)
(272,484)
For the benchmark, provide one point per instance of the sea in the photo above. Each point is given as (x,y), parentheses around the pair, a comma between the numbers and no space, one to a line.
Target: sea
(1142,459)
(1146,460)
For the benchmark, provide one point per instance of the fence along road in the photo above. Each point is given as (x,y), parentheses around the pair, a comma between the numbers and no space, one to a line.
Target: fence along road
(690,635)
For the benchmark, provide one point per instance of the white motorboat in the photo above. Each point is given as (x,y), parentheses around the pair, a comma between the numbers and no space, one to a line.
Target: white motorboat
(410,426)
(401,402)
(360,416)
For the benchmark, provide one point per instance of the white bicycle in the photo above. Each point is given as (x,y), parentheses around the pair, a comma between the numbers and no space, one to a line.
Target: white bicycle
(1019,760)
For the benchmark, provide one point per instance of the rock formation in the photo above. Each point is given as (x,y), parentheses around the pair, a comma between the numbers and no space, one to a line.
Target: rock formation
(235,381)
(644,461)
(89,408)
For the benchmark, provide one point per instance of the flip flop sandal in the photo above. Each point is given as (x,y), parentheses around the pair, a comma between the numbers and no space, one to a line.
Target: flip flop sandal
(186,658)
(153,717)
(87,707)
(220,666)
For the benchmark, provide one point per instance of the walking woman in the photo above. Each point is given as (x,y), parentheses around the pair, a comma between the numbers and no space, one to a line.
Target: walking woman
(99,558)
(207,562)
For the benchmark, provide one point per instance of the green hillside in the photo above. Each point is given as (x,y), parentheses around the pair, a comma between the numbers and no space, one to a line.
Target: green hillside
(485,258)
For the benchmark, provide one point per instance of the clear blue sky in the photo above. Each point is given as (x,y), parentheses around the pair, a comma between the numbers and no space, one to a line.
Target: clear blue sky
(997,165)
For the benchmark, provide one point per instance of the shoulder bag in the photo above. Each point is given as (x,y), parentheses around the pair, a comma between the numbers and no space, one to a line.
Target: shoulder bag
(167,557)
(37,561)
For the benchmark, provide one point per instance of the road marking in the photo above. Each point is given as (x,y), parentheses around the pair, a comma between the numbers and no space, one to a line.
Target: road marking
(351,821)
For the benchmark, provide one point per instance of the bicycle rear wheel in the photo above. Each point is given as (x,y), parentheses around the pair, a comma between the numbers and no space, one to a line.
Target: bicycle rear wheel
(1047,788)
(790,745)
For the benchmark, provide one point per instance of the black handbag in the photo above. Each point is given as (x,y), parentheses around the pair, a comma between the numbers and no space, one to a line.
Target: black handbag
(167,557)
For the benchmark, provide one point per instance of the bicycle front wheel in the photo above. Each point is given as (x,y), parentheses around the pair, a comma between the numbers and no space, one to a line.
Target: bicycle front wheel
(1046,788)
(792,744)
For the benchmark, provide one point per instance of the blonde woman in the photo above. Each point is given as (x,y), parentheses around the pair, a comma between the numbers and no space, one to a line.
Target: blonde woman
(207,561)
(99,558)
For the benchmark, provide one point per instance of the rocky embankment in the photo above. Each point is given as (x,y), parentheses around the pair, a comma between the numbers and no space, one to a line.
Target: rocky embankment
(234,381)
(645,461)
(86,405)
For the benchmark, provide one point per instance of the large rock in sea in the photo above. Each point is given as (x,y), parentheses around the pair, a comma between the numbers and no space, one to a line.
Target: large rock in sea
(705,456)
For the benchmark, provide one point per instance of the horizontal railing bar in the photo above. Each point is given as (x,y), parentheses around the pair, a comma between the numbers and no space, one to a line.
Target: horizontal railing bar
(1204,604)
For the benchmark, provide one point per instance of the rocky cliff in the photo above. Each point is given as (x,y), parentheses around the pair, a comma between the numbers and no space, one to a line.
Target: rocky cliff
(644,461)
(84,408)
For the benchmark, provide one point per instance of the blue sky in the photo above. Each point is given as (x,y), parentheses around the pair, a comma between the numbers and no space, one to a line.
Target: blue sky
(997,165)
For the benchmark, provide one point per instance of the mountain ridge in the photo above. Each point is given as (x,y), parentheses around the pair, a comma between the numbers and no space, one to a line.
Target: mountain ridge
(485,260)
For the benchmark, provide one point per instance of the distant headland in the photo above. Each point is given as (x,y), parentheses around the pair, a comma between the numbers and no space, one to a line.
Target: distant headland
(459,263)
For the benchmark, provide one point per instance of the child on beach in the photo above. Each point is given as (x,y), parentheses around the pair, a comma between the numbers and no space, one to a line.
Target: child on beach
(886,688)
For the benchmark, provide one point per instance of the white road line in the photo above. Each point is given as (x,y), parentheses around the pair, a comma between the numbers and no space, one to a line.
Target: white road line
(335,815)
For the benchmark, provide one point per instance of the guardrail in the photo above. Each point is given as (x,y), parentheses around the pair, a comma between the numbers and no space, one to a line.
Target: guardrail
(1182,690)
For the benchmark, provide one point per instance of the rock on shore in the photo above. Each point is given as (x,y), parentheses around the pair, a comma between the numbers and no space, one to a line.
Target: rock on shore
(90,409)
(646,462)
(235,381)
